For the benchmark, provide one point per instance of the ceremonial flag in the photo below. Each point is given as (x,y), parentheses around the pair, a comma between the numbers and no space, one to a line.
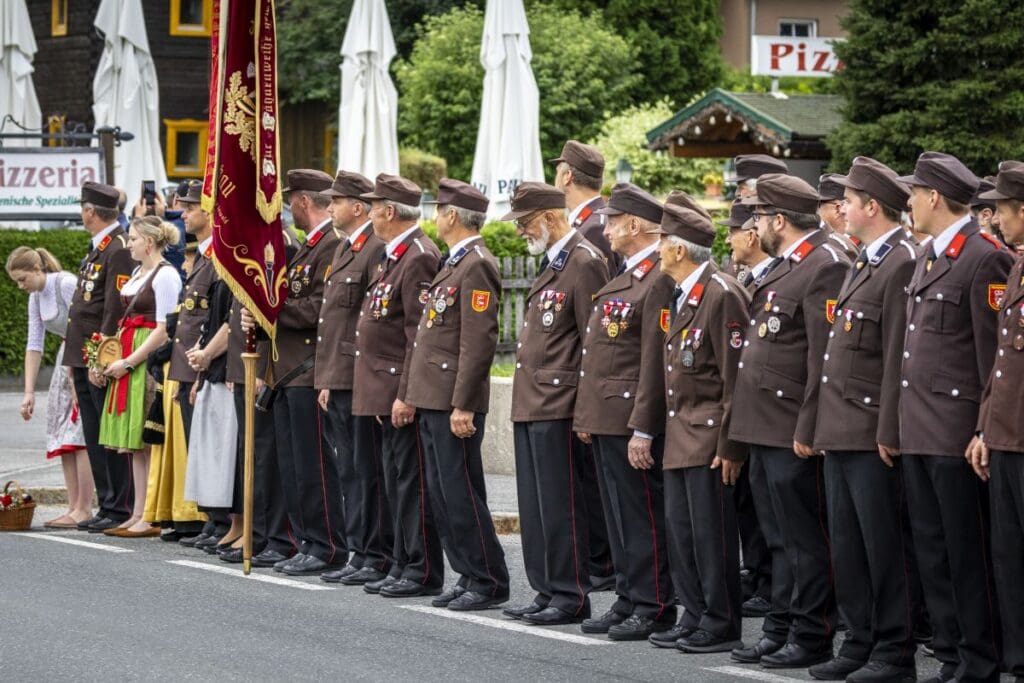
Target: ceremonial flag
(241,186)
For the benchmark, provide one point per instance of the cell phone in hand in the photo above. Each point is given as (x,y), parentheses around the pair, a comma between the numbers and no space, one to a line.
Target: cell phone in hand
(149,191)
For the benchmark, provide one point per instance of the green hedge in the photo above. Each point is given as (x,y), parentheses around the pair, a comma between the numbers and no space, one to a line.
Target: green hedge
(69,246)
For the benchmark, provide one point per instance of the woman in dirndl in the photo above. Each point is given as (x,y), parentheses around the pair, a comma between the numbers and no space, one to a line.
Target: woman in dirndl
(150,294)
(50,290)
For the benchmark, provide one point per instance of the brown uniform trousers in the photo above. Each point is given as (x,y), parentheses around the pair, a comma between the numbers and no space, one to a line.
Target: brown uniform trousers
(775,403)
(385,336)
(621,389)
(356,440)
(999,424)
(97,307)
(701,354)
(858,409)
(949,349)
(549,460)
(451,367)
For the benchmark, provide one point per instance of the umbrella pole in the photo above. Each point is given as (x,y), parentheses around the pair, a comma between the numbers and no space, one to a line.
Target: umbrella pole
(249,358)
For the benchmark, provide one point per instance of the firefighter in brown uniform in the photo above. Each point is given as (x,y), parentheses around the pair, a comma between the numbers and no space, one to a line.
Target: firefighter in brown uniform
(707,312)
(775,407)
(308,468)
(620,407)
(858,429)
(96,307)
(451,364)
(750,167)
(549,459)
(997,453)
(579,173)
(355,440)
(385,334)
(950,345)
(831,195)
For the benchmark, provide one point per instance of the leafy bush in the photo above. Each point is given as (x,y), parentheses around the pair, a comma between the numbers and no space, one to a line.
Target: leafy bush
(426,170)
(500,238)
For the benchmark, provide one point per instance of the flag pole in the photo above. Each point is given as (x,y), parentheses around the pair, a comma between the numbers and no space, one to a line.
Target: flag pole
(249,358)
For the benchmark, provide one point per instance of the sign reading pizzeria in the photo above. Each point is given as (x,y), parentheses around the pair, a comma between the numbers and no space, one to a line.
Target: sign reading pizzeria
(45,183)
(784,56)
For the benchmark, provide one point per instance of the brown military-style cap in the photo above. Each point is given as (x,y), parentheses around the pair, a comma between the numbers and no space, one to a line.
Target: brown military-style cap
(629,199)
(194,194)
(1009,182)
(451,192)
(687,224)
(582,156)
(986,184)
(739,214)
(878,180)
(532,196)
(784,192)
(945,174)
(307,180)
(101,195)
(751,166)
(680,198)
(348,184)
(829,188)
(395,188)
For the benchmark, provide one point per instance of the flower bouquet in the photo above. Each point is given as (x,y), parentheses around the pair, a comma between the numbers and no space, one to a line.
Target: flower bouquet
(99,351)
(16,508)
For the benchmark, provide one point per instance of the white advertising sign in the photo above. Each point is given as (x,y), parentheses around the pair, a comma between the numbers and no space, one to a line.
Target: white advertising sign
(783,56)
(45,183)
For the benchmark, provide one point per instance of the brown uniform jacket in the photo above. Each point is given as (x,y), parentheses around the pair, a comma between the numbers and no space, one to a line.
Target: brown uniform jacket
(355,264)
(1003,402)
(702,353)
(97,306)
(591,226)
(858,406)
(776,396)
(950,342)
(548,355)
(843,242)
(387,323)
(193,312)
(457,334)
(621,386)
(297,321)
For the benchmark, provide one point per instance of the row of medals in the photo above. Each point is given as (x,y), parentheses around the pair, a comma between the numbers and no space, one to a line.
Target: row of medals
(550,299)
(440,305)
(773,324)
(299,278)
(88,280)
(689,346)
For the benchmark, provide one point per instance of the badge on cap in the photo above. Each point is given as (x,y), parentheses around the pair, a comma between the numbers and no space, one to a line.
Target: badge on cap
(995,296)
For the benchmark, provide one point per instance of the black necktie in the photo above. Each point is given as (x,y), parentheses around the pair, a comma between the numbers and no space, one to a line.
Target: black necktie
(769,268)
(622,269)
(673,310)
(747,278)
(544,263)
(862,260)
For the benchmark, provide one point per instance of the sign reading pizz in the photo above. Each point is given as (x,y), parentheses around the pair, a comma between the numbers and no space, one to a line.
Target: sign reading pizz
(43,183)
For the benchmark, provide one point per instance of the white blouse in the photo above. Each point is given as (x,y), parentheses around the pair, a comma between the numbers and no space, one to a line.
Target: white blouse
(166,289)
(45,312)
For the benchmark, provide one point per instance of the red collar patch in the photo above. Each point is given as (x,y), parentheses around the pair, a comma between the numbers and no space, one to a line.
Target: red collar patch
(357,245)
(209,251)
(855,241)
(642,269)
(584,215)
(104,243)
(696,294)
(956,246)
(314,238)
(802,251)
(399,251)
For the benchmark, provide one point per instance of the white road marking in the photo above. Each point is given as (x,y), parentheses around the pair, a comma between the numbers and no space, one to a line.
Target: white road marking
(750,673)
(23,470)
(252,577)
(75,541)
(507,625)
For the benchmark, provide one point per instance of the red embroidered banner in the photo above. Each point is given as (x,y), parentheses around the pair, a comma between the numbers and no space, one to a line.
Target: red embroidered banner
(242,187)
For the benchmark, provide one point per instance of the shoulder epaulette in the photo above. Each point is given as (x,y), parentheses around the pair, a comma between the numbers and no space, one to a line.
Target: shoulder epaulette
(593,253)
(835,256)
(992,240)
(717,278)
(910,248)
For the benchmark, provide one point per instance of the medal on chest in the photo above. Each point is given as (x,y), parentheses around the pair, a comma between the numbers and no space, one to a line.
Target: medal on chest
(380,299)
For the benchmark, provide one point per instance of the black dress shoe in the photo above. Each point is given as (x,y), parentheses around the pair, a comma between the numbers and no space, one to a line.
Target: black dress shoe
(172,536)
(520,611)
(444,599)
(471,601)
(280,565)
(268,558)
(373,587)
(836,669)
(552,616)
(602,583)
(190,541)
(756,607)
(883,672)
(337,575)
(231,555)
(670,637)
(86,523)
(793,656)
(946,673)
(309,564)
(703,642)
(208,542)
(602,623)
(102,525)
(636,627)
(407,588)
(363,576)
(753,654)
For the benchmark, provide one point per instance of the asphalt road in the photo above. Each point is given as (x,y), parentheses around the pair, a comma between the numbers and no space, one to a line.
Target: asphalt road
(141,609)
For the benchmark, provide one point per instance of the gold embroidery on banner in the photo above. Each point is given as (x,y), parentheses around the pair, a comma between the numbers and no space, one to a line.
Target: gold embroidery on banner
(240,114)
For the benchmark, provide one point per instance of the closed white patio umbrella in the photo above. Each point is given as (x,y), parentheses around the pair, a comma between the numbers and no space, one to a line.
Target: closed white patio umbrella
(17,93)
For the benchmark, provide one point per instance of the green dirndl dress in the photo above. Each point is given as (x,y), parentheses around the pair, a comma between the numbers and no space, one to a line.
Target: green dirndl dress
(123,430)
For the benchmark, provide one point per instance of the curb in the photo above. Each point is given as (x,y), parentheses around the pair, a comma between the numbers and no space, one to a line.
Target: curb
(505,523)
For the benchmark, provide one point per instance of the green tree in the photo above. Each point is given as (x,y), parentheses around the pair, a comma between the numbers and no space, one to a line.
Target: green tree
(441,84)
(677,42)
(942,75)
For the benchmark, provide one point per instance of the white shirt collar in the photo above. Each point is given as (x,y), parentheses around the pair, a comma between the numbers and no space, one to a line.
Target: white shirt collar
(872,249)
(574,214)
(759,268)
(943,239)
(557,246)
(98,237)
(319,228)
(793,247)
(455,250)
(686,286)
(393,244)
(636,258)
(204,244)
(358,231)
